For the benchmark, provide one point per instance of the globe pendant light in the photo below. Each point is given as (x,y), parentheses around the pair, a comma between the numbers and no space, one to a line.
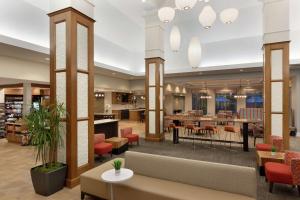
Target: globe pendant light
(194,52)
(166,14)
(175,39)
(185,4)
(207,17)
(229,15)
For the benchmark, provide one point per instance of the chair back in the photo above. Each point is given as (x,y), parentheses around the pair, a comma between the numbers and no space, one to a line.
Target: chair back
(99,138)
(126,131)
(277,143)
(290,155)
(295,168)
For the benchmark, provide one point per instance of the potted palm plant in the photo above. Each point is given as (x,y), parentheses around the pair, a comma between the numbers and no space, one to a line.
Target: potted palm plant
(44,126)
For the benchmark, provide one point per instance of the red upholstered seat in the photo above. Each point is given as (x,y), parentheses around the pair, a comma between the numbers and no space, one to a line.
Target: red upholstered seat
(279,173)
(100,146)
(127,133)
(263,147)
(285,173)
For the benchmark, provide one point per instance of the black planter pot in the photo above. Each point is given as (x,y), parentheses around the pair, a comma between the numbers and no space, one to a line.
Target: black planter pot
(47,183)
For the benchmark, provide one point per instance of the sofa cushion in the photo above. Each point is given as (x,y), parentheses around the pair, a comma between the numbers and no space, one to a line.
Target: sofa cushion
(221,177)
(146,188)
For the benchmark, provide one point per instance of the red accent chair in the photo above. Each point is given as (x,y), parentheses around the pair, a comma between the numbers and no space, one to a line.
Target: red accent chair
(284,173)
(277,142)
(100,146)
(132,137)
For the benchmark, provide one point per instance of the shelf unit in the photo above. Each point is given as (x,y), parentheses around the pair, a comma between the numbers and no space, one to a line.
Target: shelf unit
(13,107)
(2,120)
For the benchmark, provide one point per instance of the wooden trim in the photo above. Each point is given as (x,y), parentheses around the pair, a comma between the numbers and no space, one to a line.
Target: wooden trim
(82,71)
(82,119)
(12,85)
(70,9)
(284,46)
(40,85)
(60,70)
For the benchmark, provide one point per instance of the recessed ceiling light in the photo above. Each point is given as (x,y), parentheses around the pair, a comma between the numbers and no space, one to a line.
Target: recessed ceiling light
(113,73)
(47,59)
(241,70)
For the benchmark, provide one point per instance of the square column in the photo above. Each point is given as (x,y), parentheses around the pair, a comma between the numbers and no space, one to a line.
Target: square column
(276,70)
(154,99)
(154,83)
(72,83)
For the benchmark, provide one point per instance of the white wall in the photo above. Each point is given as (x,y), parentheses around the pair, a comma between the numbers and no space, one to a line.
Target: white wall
(106,82)
(24,70)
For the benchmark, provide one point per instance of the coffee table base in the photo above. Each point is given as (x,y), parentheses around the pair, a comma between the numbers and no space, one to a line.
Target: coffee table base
(122,149)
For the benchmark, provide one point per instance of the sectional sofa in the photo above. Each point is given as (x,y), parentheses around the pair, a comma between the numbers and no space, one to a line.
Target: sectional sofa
(167,178)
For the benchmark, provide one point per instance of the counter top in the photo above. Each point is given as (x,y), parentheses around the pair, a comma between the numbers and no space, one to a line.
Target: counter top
(104,121)
(136,110)
(104,113)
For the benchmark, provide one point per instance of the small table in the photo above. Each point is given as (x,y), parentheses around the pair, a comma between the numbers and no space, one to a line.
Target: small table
(111,177)
(120,145)
(266,156)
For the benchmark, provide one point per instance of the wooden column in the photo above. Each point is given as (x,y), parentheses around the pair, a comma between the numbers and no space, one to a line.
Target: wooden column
(72,83)
(154,88)
(276,89)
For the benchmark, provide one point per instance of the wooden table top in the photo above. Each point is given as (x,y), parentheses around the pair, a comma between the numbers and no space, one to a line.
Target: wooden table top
(216,119)
(266,156)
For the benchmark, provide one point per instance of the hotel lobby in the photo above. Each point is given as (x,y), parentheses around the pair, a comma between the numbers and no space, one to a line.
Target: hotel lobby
(150,99)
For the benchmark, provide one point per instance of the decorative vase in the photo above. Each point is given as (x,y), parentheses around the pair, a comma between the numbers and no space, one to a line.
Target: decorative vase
(117,172)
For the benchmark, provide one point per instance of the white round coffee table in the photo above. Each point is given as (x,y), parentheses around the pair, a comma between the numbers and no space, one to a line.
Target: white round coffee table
(111,177)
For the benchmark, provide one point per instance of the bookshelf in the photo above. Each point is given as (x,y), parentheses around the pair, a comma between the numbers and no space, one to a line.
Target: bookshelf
(13,107)
(2,120)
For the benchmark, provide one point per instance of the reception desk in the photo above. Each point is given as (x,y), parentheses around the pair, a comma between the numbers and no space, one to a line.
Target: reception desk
(107,126)
(135,114)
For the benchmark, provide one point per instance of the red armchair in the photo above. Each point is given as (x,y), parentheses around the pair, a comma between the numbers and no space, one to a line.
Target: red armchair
(127,133)
(100,146)
(284,173)
(277,142)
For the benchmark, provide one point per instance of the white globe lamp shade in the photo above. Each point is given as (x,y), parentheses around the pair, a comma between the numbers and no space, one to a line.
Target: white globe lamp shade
(229,15)
(166,14)
(207,17)
(194,52)
(185,4)
(175,39)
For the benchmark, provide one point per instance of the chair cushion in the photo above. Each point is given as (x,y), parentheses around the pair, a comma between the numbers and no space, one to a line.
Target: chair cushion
(132,137)
(278,173)
(148,188)
(102,148)
(263,147)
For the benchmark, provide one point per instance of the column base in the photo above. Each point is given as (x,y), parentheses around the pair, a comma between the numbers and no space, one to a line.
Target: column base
(71,183)
(155,138)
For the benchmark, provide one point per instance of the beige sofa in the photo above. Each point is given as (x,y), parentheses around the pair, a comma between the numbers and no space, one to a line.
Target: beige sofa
(167,178)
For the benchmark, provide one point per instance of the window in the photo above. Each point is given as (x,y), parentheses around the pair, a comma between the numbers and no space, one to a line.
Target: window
(254,101)
(198,103)
(225,102)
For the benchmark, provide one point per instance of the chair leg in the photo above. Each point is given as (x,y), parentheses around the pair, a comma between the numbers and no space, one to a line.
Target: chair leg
(298,186)
(254,141)
(82,195)
(111,154)
(271,187)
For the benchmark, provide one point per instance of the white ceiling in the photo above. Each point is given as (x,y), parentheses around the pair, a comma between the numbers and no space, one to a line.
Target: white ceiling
(119,33)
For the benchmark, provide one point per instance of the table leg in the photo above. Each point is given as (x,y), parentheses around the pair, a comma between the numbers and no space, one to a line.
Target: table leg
(175,136)
(245,136)
(111,192)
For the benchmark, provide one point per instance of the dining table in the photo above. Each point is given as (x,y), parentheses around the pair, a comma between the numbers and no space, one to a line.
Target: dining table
(177,119)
